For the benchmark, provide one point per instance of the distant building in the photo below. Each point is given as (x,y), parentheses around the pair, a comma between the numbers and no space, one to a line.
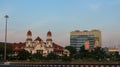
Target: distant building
(39,46)
(80,38)
(112,51)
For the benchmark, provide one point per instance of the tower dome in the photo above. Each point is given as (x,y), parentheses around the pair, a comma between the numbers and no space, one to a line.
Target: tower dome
(29,36)
(29,33)
(49,33)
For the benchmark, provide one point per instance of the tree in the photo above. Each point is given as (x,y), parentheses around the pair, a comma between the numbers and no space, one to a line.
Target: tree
(99,53)
(37,56)
(84,53)
(24,55)
(66,58)
(8,50)
(72,50)
(1,48)
(52,56)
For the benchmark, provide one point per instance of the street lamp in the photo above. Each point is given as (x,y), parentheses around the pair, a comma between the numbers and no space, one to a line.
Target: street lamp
(6,17)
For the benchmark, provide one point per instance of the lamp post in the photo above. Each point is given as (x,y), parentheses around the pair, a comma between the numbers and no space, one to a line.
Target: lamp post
(6,17)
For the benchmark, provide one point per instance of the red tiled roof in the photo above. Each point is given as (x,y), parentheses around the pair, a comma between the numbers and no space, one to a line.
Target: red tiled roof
(18,46)
(49,33)
(38,39)
(55,46)
(29,33)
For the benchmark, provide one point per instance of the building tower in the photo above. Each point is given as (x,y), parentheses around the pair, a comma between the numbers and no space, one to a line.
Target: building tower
(49,38)
(49,42)
(78,38)
(29,39)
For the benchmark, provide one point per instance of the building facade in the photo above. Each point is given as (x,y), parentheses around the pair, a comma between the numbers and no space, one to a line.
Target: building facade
(39,46)
(89,39)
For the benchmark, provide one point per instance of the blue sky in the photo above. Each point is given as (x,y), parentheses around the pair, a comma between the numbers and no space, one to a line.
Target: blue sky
(60,17)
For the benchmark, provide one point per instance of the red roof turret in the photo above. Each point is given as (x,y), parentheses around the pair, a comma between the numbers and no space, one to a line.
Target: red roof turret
(49,33)
(29,33)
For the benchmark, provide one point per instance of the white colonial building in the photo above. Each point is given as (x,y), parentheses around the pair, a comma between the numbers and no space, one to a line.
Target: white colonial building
(39,46)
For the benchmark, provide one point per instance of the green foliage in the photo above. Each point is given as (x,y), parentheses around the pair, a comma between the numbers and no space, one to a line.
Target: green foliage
(8,50)
(24,55)
(76,56)
(72,50)
(118,58)
(66,58)
(84,53)
(37,56)
(52,56)
(1,48)
(95,54)
(99,53)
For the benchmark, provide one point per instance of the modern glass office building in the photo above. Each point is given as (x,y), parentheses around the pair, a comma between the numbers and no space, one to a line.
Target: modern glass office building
(78,38)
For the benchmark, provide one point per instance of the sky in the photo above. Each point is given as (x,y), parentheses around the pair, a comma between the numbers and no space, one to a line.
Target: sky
(60,17)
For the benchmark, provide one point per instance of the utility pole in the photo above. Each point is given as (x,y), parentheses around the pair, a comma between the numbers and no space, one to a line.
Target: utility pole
(6,17)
